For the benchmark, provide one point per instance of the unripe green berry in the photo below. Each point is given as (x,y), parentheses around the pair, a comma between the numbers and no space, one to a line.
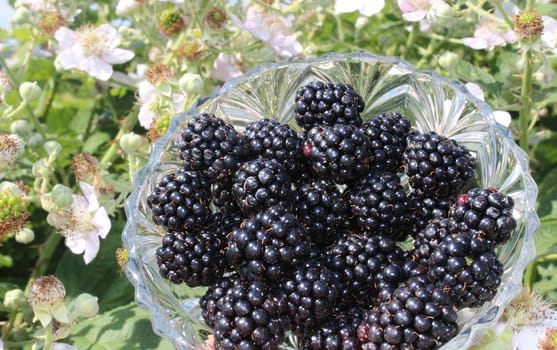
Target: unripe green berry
(130,142)
(14,299)
(30,91)
(86,305)
(191,83)
(61,196)
(21,127)
(52,147)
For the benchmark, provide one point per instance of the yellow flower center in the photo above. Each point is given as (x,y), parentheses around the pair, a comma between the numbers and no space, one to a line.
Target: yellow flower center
(91,42)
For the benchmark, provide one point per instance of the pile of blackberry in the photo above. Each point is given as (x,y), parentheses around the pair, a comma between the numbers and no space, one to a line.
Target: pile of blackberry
(299,229)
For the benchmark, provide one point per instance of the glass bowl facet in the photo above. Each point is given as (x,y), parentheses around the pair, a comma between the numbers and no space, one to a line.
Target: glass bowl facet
(387,84)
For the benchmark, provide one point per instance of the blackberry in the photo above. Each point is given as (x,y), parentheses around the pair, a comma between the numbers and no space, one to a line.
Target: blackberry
(319,103)
(312,291)
(180,201)
(196,258)
(261,183)
(488,211)
(422,209)
(437,166)
(340,152)
(225,220)
(211,145)
(366,265)
(378,204)
(472,279)
(221,194)
(430,237)
(322,210)
(268,244)
(216,291)
(387,134)
(248,316)
(270,139)
(339,332)
(418,316)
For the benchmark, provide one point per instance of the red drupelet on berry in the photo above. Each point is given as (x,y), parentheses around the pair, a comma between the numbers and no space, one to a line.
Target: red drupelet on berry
(387,134)
(196,259)
(437,166)
(180,201)
(340,153)
(321,208)
(319,103)
(212,146)
(379,204)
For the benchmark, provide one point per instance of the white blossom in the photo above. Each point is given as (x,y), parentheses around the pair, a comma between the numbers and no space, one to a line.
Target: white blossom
(154,103)
(83,223)
(366,7)
(92,50)
(225,67)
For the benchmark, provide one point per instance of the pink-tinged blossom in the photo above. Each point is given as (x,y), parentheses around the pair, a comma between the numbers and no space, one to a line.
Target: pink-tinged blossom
(490,33)
(155,104)
(549,33)
(415,10)
(92,50)
(83,223)
(272,29)
(225,67)
(366,7)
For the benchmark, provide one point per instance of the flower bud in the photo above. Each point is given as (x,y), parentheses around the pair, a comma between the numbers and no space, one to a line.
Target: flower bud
(361,22)
(25,236)
(61,196)
(52,147)
(35,141)
(86,305)
(130,142)
(21,16)
(21,127)
(14,299)
(46,296)
(448,60)
(126,7)
(41,168)
(30,91)
(191,83)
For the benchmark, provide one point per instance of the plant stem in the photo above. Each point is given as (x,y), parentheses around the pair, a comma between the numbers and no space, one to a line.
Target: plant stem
(410,41)
(112,151)
(504,14)
(529,4)
(525,100)
(48,337)
(48,250)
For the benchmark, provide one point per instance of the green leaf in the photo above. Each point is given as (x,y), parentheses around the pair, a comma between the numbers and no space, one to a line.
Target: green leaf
(547,199)
(546,269)
(126,327)
(40,69)
(495,341)
(59,120)
(95,141)
(102,277)
(470,72)
(546,237)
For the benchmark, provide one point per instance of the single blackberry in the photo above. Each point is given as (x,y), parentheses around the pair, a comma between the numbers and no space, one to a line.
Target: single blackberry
(312,291)
(471,279)
(422,209)
(270,139)
(225,220)
(431,236)
(212,146)
(340,152)
(387,134)
(379,204)
(195,258)
(261,183)
(216,291)
(366,265)
(418,316)
(488,211)
(437,166)
(221,194)
(321,208)
(248,316)
(319,103)
(180,201)
(268,244)
(339,332)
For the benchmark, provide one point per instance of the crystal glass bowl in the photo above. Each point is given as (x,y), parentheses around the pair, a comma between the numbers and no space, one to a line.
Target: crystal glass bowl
(386,84)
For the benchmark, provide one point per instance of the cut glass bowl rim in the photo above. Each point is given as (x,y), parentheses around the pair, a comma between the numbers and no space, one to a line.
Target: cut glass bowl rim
(165,325)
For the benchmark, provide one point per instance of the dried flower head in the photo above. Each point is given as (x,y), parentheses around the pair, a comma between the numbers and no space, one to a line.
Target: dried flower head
(190,50)
(528,25)
(46,296)
(171,21)
(216,18)
(159,127)
(13,209)
(158,73)
(11,148)
(6,85)
(84,165)
(51,22)
(122,256)
(527,308)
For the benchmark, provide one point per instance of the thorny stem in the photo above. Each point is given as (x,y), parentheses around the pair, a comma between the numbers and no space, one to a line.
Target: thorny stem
(525,100)
(112,151)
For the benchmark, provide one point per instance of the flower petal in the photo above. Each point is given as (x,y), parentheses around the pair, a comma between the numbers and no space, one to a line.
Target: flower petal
(92,245)
(368,8)
(70,58)
(96,68)
(60,313)
(475,43)
(75,243)
(65,37)
(109,34)
(117,56)
(62,346)
(101,222)
(414,16)
(145,116)
(344,6)
(91,196)
(549,33)
(44,316)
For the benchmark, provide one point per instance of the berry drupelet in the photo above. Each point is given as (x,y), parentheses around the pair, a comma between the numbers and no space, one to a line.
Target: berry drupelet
(423,209)
(261,183)
(196,259)
(321,208)
(387,134)
(437,166)
(379,204)
(180,201)
(267,245)
(340,153)
(319,103)
(210,145)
